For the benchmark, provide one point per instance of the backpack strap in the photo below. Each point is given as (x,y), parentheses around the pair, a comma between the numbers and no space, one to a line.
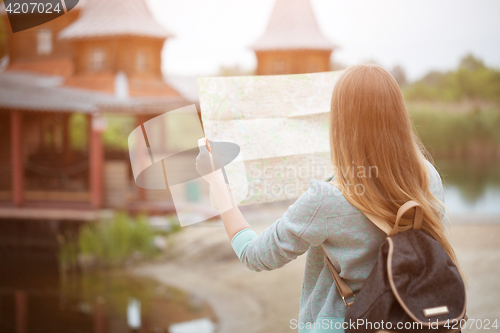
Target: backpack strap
(417,219)
(391,231)
(379,222)
(386,227)
(344,290)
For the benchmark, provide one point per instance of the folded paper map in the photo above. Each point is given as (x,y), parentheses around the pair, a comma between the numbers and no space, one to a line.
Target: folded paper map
(281,125)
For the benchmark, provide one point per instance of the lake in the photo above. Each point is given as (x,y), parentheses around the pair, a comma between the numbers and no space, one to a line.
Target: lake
(471,186)
(37,296)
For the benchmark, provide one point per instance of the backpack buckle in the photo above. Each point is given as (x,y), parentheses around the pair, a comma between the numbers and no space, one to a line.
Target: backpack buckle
(350,303)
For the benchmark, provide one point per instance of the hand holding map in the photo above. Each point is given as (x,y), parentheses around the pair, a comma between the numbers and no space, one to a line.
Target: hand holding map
(210,164)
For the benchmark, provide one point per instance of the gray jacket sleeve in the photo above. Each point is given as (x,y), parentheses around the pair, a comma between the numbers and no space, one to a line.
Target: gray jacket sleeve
(288,237)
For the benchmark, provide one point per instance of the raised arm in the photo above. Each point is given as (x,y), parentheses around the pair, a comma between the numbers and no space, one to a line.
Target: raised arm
(231,215)
(287,238)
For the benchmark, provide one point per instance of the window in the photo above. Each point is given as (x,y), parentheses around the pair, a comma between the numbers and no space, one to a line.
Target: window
(141,62)
(97,60)
(44,42)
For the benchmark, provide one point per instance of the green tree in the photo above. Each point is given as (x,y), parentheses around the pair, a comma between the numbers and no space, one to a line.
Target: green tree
(472,81)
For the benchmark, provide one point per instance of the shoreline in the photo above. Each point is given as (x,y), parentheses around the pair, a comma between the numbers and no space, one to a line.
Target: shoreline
(205,265)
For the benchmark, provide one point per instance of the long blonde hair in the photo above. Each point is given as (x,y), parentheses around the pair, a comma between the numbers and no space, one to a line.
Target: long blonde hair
(371,131)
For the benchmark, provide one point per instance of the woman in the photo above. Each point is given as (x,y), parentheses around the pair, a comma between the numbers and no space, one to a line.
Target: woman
(379,164)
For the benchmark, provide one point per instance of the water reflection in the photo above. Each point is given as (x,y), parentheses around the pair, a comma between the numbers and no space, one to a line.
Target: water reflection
(35,297)
(487,203)
(472,186)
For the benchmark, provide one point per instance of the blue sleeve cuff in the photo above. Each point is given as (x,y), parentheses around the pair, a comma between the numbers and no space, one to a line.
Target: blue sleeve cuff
(241,239)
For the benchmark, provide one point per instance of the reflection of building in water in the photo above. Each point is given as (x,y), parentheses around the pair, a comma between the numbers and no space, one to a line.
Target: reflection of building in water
(100,60)
(292,42)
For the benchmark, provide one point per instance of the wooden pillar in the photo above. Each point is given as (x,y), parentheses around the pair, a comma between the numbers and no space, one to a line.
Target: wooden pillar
(142,191)
(99,315)
(96,161)
(17,159)
(21,301)
(66,138)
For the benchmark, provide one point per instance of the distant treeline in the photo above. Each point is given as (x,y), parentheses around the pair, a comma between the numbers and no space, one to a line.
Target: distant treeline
(448,130)
(471,81)
(457,113)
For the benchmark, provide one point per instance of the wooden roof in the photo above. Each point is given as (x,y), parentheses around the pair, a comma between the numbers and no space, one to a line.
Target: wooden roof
(292,26)
(138,85)
(36,92)
(111,18)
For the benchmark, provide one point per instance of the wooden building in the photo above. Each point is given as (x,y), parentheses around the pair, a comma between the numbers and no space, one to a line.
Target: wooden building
(292,42)
(118,36)
(63,79)
(104,58)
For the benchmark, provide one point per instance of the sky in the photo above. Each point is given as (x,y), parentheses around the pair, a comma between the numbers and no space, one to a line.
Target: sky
(418,35)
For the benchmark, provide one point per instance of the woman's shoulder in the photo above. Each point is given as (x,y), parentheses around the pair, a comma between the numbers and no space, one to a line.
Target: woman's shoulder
(322,189)
(436,183)
(329,197)
(324,193)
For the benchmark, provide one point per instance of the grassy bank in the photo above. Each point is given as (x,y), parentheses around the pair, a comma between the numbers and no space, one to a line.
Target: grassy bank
(458,130)
(114,243)
(472,177)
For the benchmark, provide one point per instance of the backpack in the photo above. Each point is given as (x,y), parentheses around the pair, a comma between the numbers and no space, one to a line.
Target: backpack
(414,287)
